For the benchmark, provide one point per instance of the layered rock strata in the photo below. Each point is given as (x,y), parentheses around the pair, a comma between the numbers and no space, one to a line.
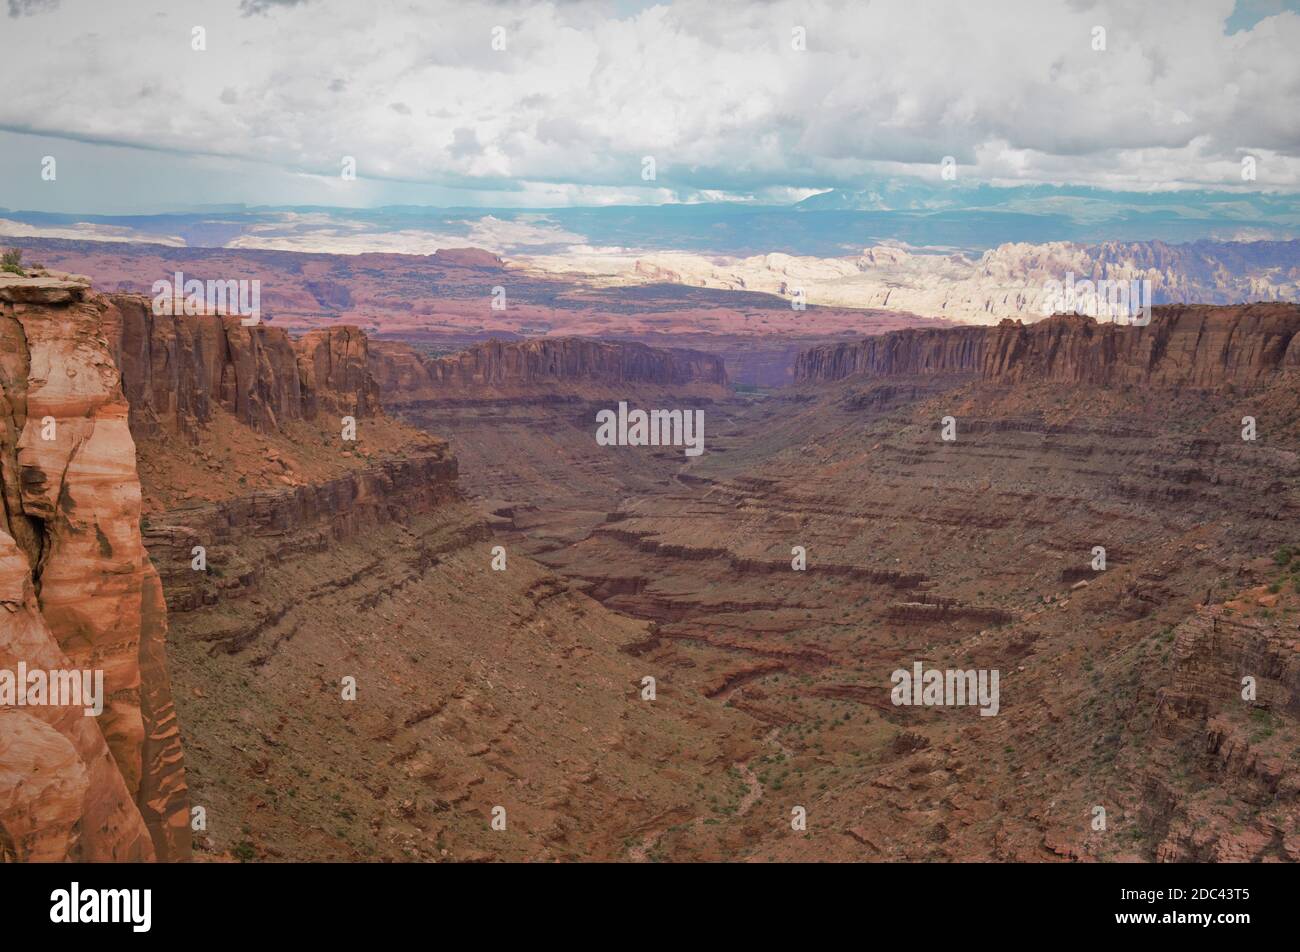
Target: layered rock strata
(1183,346)
(289,522)
(79,594)
(177,369)
(405,376)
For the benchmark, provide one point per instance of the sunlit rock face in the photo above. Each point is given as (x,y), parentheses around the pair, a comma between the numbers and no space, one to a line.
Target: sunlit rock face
(80,593)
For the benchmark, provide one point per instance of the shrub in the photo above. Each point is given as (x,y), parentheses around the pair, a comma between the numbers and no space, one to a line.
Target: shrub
(11,260)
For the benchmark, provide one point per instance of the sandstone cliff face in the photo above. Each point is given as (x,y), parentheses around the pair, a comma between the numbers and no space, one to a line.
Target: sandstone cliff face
(175,369)
(1183,346)
(900,353)
(406,376)
(62,792)
(79,592)
(334,366)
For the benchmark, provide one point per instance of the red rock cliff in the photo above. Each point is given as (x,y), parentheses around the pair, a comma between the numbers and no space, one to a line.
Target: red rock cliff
(78,591)
(1198,346)
(176,368)
(334,366)
(405,375)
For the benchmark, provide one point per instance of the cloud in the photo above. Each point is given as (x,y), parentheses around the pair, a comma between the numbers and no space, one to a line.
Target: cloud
(254,7)
(327,233)
(464,142)
(27,8)
(714,91)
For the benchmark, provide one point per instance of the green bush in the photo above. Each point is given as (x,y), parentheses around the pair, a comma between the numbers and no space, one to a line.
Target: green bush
(11,260)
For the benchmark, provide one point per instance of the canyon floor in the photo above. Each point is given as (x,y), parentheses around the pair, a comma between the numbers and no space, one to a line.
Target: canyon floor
(970,554)
(523,688)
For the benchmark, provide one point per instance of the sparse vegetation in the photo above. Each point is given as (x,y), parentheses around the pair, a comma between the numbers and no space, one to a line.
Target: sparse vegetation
(11,260)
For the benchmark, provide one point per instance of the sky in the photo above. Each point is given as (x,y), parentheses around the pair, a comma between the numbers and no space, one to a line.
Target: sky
(542,105)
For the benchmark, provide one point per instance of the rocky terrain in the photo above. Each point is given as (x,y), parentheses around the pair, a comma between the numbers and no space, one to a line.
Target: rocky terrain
(1008,281)
(327,559)
(428,638)
(459,297)
(973,554)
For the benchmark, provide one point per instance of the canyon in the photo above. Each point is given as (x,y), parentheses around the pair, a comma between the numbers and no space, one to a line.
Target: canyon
(971,554)
(496,588)
(326,559)
(757,313)
(458,297)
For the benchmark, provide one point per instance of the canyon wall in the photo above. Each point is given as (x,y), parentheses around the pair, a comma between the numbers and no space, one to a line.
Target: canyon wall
(180,372)
(406,376)
(286,522)
(175,369)
(362,561)
(334,367)
(79,592)
(1183,346)
(92,387)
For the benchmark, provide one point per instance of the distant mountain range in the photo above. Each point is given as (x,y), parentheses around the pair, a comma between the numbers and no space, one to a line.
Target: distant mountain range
(1012,280)
(949,216)
(586,290)
(1080,203)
